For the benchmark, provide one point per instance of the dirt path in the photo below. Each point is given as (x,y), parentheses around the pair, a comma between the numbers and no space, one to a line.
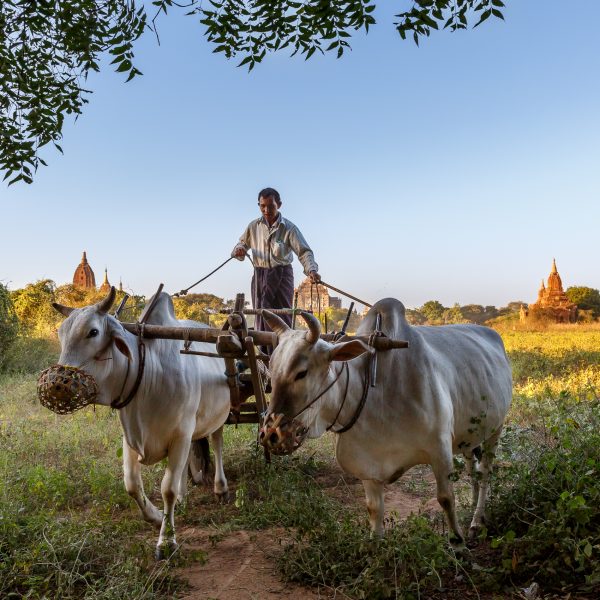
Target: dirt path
(240,565)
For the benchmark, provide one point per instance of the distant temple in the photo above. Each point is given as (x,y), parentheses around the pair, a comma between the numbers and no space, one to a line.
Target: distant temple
(84,277)
(552,302)
(315,297)
(105,287)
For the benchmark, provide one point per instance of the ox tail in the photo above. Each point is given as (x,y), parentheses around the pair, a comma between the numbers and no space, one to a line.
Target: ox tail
(200,462)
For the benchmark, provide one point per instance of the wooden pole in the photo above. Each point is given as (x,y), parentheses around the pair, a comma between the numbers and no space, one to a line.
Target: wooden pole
(260,338)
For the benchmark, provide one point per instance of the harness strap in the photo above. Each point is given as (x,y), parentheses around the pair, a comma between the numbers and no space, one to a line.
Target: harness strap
(322,393)
(121,402)
(361,404)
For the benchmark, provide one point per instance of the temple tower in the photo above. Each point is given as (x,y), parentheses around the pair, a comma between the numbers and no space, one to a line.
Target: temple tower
(84,276)
(552,302)
(105,287)
(315,297)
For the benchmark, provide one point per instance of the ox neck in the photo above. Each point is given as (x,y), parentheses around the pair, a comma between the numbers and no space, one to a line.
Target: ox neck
(125,397)
(342,408)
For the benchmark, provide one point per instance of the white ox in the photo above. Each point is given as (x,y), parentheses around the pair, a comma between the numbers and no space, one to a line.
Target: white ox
(179,399)
(448,393)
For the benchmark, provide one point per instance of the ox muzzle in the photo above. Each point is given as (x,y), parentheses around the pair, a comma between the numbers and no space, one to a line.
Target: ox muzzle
(64,389)
(281,436)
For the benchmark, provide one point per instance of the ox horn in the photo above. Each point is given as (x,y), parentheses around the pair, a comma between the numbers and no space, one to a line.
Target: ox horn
(105,305)
(62,309)
(277,324)
(314,327)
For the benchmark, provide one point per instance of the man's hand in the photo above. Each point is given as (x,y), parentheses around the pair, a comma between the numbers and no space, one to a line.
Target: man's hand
(314,277)
(239,253)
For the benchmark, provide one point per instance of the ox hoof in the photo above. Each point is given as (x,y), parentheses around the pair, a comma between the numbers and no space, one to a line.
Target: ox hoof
(474,532)
(165,551)
(458,543)
(222,497)
(155,520)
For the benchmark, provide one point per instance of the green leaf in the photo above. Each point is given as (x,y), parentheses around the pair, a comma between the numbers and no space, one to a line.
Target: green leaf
(124,66)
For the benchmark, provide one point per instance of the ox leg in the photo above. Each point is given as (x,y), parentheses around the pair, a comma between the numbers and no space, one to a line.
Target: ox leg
(443,469)
(221,488)
(132,474)
(183,484)
(374,495)
(176,464)
(473,470)
(485,466)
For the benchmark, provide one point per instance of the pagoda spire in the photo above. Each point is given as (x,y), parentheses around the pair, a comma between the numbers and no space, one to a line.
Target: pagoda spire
(105,287)
(554,269)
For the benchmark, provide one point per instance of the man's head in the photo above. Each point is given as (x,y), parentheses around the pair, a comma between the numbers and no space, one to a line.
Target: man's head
(269,203)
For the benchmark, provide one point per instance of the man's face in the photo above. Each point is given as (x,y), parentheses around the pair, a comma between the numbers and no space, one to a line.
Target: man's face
(268,208)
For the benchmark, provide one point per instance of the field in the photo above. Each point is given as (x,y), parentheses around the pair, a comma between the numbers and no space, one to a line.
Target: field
(298,528)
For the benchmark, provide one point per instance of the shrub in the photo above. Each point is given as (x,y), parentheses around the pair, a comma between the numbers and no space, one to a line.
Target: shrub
(9,324)
(545,514)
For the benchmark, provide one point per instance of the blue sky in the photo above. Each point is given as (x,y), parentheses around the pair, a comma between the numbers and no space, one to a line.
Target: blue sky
(454,171)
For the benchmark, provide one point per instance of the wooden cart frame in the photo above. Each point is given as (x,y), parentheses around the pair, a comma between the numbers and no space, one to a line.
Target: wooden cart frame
(239,346)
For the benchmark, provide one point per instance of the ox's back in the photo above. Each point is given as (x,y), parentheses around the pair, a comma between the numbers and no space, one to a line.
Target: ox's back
(177,389)
(455,376)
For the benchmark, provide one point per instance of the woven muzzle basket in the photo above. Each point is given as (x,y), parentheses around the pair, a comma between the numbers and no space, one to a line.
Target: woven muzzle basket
(64,389)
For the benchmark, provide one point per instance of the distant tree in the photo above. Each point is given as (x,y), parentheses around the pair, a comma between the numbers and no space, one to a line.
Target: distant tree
(335,319)
(512,307)
(415,317)
(475,313)
(586,298)
(9,323)
(48,48)
(453,315)
(33,306)
(433,311)
(203,308)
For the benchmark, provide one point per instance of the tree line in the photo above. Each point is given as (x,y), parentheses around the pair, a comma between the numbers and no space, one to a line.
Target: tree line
(27,312)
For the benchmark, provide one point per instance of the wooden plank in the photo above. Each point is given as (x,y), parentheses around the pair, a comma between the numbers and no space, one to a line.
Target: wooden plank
(259,392)
(194,334)
(259,338)
(244,418)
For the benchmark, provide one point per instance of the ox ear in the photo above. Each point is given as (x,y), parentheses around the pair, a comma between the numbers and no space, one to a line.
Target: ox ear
(62,309)
(278,325)
(116,333)
(348,350)
(122,347)
(105,305)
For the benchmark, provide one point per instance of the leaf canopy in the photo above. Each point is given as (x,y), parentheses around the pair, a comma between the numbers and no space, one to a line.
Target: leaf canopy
(48,48)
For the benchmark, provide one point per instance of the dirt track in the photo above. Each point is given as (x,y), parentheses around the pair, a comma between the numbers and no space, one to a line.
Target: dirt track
(240,566)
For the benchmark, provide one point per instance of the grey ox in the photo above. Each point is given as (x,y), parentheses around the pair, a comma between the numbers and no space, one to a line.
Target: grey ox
(448,393)
(179,399)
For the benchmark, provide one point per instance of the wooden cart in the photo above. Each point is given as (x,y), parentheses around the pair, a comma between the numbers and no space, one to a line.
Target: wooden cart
(246,366)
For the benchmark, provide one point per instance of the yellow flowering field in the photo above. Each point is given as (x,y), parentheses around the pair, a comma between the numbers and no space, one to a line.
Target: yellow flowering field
(562,362)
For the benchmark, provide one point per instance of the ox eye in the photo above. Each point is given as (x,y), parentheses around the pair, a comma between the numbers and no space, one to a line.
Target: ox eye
(301,375)
(93,333)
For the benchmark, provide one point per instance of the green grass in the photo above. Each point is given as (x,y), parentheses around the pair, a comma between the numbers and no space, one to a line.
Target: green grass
(69,530)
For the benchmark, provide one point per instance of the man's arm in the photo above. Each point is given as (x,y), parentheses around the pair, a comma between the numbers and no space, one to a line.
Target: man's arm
(304,253)
(240,249)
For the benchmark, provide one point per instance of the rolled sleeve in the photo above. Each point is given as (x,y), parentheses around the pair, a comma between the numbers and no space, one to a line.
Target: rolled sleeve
(244,243)
(302,250)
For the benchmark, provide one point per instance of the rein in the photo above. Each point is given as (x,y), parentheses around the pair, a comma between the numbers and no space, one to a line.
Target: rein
(120,402)
(361,404)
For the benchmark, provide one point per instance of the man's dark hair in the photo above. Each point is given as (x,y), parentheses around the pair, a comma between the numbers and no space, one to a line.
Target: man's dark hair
(270,193)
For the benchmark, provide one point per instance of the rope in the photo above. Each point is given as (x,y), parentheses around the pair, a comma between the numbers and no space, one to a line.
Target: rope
(186,290)
(328,285)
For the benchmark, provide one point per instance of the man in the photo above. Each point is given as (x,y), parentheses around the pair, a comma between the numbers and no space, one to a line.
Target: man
(273,240)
